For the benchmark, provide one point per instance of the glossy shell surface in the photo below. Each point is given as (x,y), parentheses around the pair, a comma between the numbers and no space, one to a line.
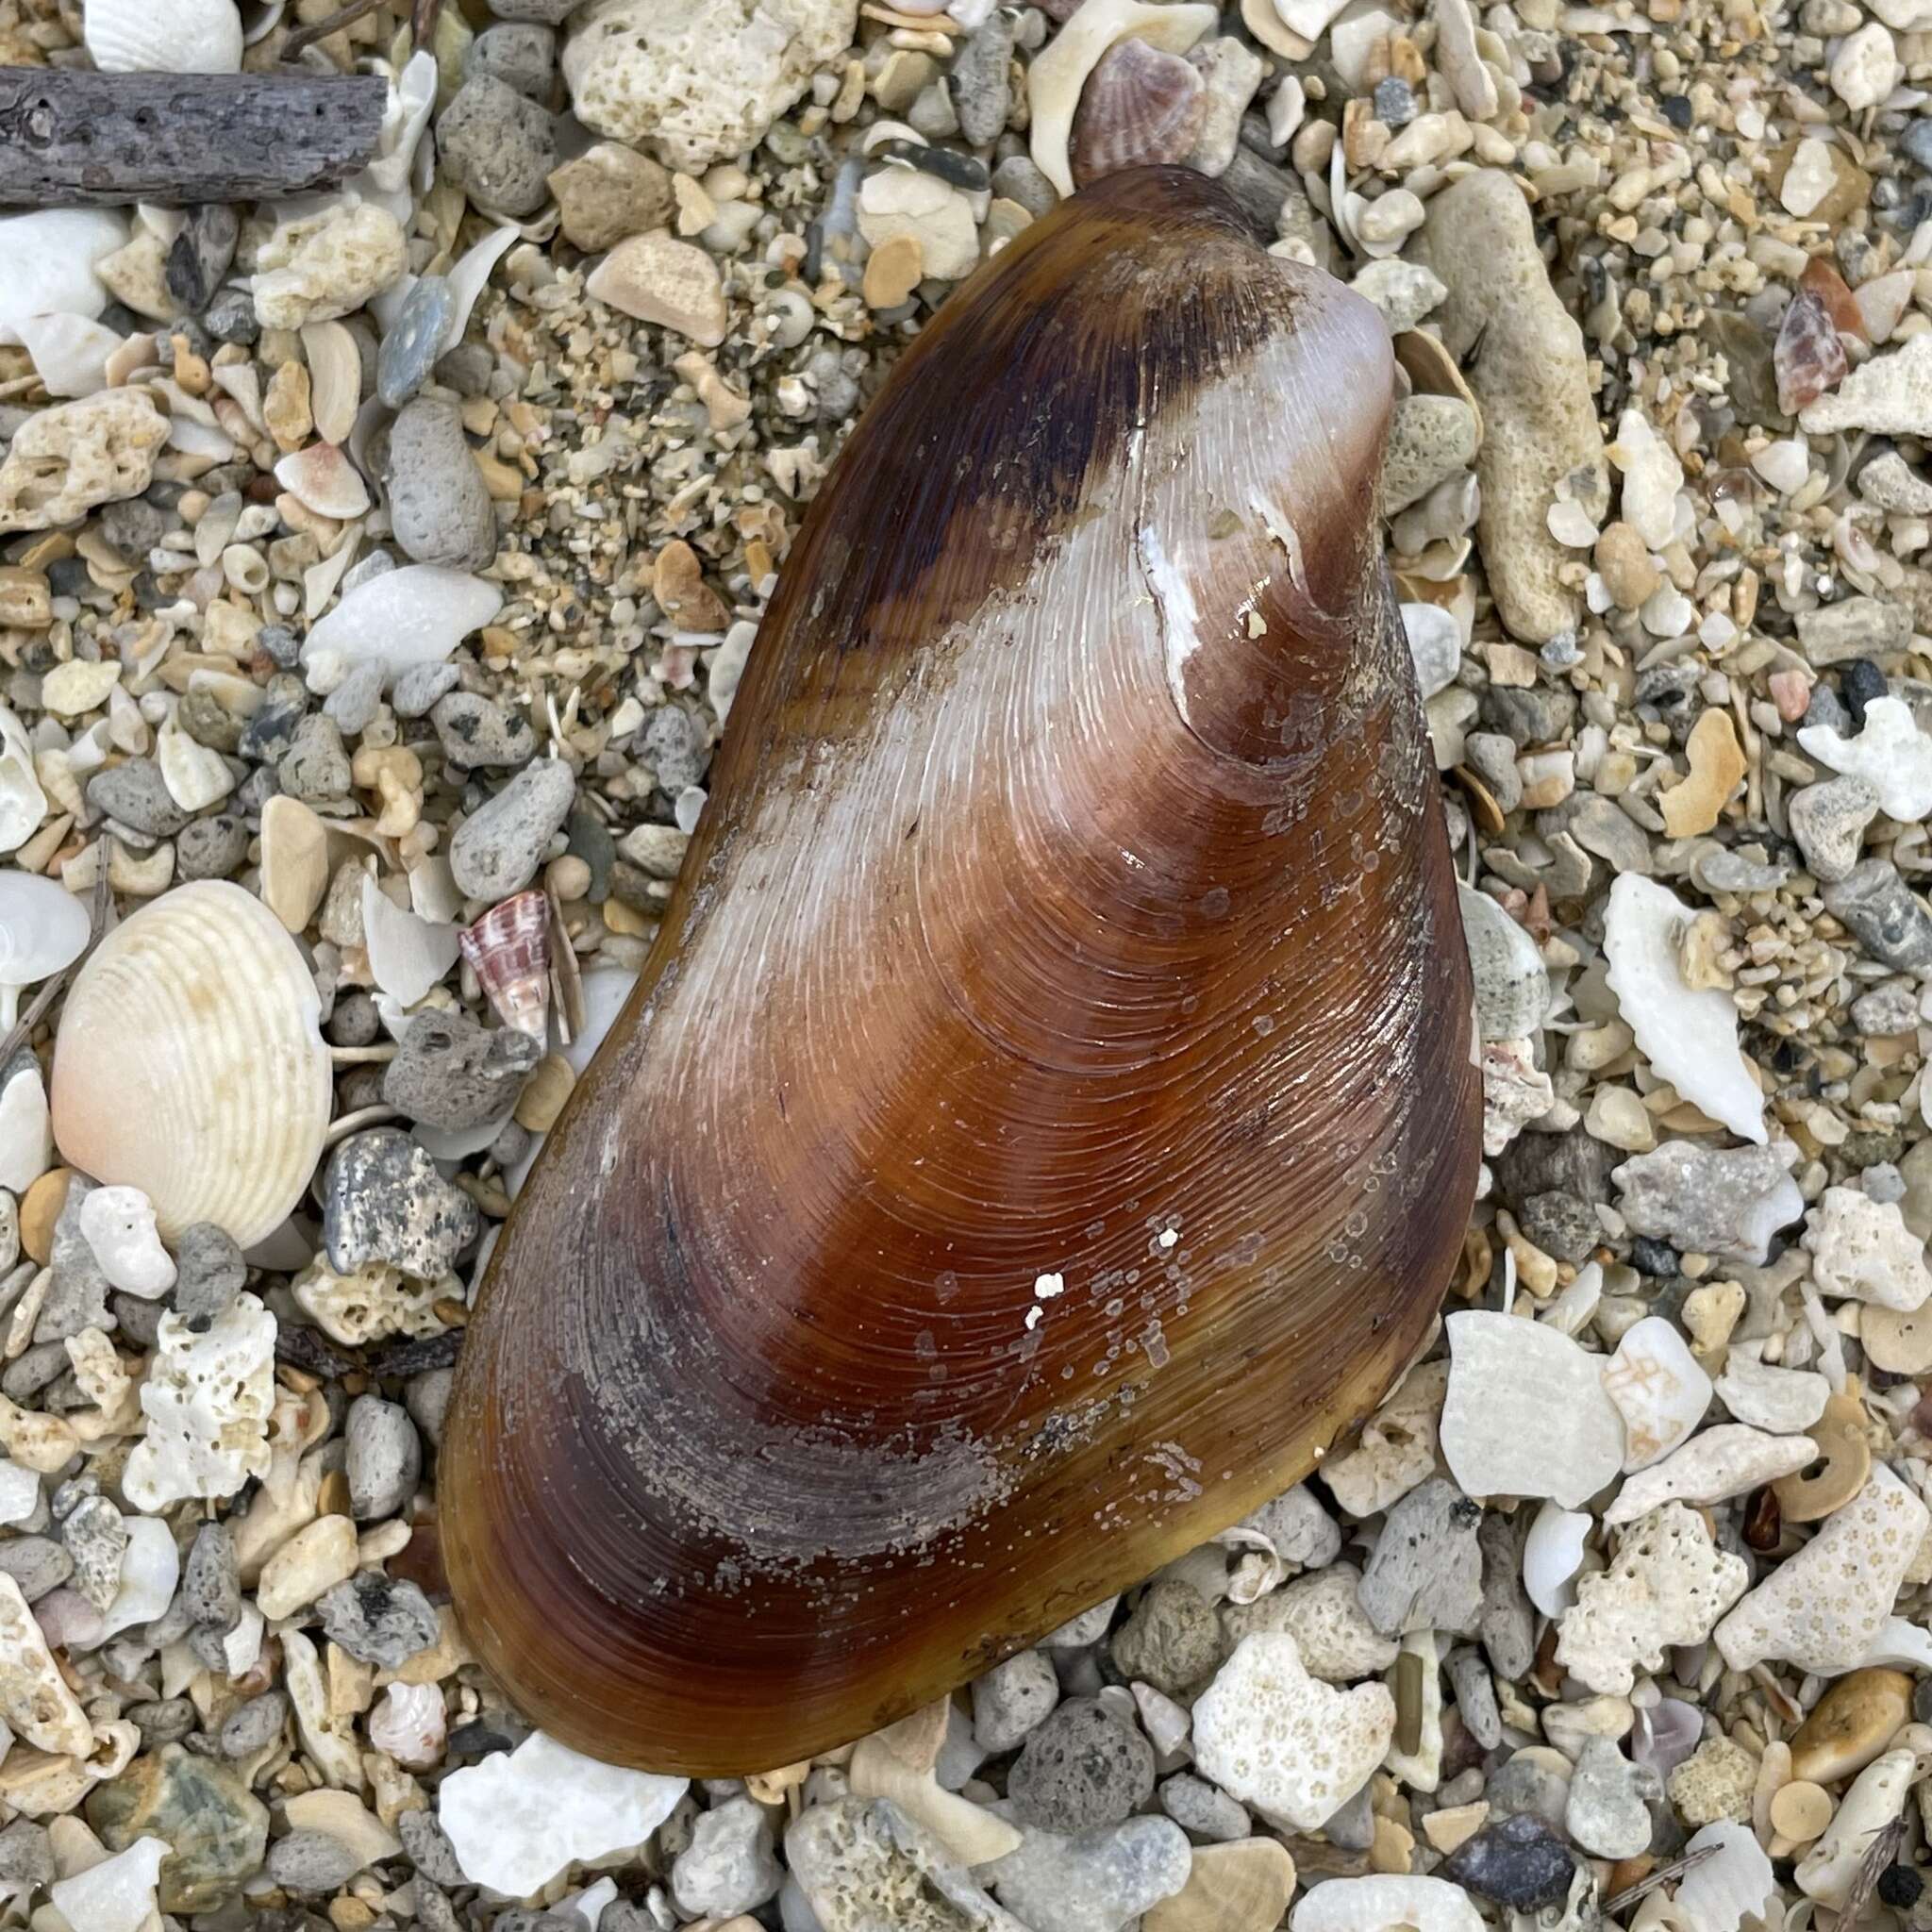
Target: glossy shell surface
(1046,1118)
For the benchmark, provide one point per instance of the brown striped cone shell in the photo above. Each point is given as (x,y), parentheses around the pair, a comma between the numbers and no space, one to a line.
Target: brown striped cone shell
(1046,1119)
(508,950)
(1141,104)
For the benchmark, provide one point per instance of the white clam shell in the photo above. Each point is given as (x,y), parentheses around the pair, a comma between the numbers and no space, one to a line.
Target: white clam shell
(180,37)
(188,1063)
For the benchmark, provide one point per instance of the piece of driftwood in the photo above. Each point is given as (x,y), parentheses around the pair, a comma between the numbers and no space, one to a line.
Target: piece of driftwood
(81,140)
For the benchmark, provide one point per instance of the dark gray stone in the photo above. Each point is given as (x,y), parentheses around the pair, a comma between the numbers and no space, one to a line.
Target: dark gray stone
(351,708)
(419,688)
(383,1200)
(37,1564)
(413,342)
(201,255)
(164,1721)
(208,1275)
(1081,1768)
(255,1725)
(1519,1862)
(1171,1641)
(311,1861)
(497,147)
(429,1848)
(1507,1622)
(211,1579)
(1890,922)
(315,767)
(133,525)
(1205,1812)
(210,848)
(452,1072)
(135,796)
(521,54)
(981,80)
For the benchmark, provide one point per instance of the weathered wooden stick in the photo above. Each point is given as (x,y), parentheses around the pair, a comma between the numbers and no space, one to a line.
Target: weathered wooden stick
(81,140)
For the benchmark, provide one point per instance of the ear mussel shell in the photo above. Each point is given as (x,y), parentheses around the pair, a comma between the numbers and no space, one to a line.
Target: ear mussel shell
(1047,1117)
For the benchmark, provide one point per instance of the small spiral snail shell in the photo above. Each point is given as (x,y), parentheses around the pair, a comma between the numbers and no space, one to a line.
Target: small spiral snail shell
(1046,1118)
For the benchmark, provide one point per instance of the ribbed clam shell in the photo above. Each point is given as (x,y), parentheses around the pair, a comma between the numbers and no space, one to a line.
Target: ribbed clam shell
(1140,105)
(508,950)
(163,35)
(188,1063)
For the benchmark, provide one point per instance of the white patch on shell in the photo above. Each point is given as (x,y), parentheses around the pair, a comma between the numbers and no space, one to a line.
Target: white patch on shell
(1180,617)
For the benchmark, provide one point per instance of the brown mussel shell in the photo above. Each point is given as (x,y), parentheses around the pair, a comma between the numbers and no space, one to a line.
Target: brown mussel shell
(1046,1119)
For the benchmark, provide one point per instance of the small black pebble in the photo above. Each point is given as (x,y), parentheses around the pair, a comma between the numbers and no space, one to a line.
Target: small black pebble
(1900,1886)
(1677,109)
(1649,1255)
(1859,682)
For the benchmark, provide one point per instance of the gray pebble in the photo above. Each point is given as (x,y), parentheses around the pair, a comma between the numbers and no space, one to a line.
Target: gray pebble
(134,525)
(1080,1768)
(355,702)
(419,688)
(33,1369)
(77,1295)
(135,796)
(231,318)
(382,1620)
(211,1579)
(1607,1812)
(1506,1623)
(280,644)
(1013,1698)
(311,1861)
(1171,1641)
(382,1458)
(1018,178)
(1090,1626)
(439,505)
(981,80)
(670,743)
(476,733)
(164,1721)
(1095,1881)
(467,369)
(139,1322)
(268,735)
(414,339)
(1828,821)
(26,1856)
(512,1143)
(497,849)
(1475,1695)
(1522,1784)
(1536,716)
(315,768)
(427,1398)
(201,255)
(1519,1862)
(208,1273)
(95,1538)
(1854,627)
(429,1848)
(1427,1569)
(354,1020)
(383,1200)
(210,848)
(1561,1224)
(496,146)
(521,55)
(434,1912)
(1890,923)
(931,114)
(729,1866)
(1205,1812)
(255,1725)
(1695,1197)
(452,1072)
